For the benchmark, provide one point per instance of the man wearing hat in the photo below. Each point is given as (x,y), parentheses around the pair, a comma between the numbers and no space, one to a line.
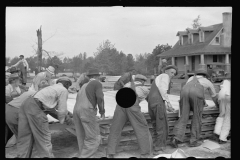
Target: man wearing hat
(125,78)
(24,67)
(12,90)
(33,122)
(83,78)
(42,76)
(84,115)
(136,118)
(12,109)
(192,98)
(223,122)
(158,103)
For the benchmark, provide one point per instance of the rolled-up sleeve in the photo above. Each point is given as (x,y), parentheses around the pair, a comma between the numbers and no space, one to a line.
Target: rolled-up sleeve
(163,85)
(62,106)
(211,88)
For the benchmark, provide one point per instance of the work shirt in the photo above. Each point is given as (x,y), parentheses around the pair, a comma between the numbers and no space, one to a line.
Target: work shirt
(207,85)
(37,80)
(141,91)
(82,79)
(17,102)
(225,89)
(162,82)
(10,91)
(24,62)
(125,78)
(95,94)
(54,96)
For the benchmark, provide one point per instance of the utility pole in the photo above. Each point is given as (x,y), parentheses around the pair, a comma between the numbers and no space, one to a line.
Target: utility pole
(39,50)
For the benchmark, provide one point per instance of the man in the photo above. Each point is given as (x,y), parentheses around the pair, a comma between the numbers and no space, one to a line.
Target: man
(164,64)
(84,115)
(33,122)
(158,103)
(24,68)
(12,91)
(12,109)
(124,79)
(42,76)
(192,99)
(223,122)
(136,118)
(83,78)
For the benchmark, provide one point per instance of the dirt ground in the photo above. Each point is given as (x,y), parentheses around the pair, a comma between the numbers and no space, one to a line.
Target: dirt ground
(65,144)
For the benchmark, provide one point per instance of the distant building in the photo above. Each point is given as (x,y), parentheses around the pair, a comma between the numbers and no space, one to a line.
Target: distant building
(198,47)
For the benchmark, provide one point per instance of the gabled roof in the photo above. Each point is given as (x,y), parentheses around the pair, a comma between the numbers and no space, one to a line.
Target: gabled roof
(209,28)
(182,33)
(192,30)
(198,47)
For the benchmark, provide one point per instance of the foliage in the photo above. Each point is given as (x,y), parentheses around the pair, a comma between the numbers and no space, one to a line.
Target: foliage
(196,24)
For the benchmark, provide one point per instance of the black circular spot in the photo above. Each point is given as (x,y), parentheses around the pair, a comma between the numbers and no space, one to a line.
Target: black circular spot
(126,97)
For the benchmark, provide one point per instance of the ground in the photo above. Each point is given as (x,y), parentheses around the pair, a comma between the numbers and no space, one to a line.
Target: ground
(65,144)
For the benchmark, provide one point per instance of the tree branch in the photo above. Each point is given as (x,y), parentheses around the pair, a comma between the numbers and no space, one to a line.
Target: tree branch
(50,37)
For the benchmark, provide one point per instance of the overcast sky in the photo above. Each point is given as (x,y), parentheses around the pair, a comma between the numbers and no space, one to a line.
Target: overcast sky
(81,29)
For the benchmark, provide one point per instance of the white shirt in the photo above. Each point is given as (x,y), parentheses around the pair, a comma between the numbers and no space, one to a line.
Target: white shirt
(25,63)
(9,89)
(142,91)
(162,82)
(207,85)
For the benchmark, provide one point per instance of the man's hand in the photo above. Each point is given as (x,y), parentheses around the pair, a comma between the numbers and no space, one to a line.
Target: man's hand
(70,114)
(102,116)
(69,121)
(169,107)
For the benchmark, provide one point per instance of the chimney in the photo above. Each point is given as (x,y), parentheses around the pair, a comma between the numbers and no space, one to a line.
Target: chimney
(227,29)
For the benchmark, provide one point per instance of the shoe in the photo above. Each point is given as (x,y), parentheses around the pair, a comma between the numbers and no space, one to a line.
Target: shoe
(214,137)
(110,156)
(174,143)
(222,142)
(155,152)
(145,156)
(194,144)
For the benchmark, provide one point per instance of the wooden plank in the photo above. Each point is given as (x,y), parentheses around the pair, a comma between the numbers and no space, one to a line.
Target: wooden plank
(106,128)
(170,115)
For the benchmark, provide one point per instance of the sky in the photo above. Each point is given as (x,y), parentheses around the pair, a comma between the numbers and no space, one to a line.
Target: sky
(133,30)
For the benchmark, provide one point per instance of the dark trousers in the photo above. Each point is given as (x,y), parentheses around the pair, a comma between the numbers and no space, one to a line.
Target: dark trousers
(88,133)
(139,124)
(33,130)
(191,99)
(159,121)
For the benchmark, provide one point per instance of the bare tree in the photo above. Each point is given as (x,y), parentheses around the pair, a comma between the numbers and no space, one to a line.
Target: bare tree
(196,24)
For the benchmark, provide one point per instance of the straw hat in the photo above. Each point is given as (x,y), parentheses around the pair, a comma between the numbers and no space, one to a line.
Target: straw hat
(202,72)
(93,72)
(142,77)
(50,69)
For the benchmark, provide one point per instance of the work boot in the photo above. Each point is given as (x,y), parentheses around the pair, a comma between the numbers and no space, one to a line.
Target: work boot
(221,142)
(145,156)
(174,143)
(159,151)
(194,144)
(214,137)
(110,156)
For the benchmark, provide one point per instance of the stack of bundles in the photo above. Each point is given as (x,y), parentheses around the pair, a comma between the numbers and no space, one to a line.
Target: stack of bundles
(128,135)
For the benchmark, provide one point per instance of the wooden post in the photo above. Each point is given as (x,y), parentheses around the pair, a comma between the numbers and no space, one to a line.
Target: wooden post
(39,51)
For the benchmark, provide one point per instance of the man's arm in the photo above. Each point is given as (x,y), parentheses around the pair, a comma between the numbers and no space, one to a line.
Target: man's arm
(125,77)
(62,106)
(100,98)
(15,65)
(26,64)
(212,91)
(163,85)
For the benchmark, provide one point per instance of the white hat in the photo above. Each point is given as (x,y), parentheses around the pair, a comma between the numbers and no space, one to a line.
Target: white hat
(50,69)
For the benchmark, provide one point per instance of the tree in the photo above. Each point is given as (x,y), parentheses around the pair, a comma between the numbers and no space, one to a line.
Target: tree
(153,59)
(196,24)
(14,60)
(130,61)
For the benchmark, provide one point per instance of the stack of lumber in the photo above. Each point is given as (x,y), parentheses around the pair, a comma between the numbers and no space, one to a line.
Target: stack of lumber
(208,121)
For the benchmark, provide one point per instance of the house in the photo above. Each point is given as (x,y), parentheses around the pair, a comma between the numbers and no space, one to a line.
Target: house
(196,48)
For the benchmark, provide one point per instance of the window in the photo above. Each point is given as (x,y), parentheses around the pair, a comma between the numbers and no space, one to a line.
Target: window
(214,58)
(217,39)
(189,38)
(180,40)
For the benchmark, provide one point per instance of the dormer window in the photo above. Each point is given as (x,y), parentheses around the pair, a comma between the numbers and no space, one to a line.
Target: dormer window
(190,38)
(217,40)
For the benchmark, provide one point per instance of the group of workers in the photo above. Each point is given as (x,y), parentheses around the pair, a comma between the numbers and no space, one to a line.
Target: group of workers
(26,112)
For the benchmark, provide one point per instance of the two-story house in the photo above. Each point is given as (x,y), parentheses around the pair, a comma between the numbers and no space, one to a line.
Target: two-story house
(198,47)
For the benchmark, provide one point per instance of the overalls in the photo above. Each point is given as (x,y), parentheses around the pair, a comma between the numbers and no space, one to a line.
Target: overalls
(9,132)
(191,99)
(138,122)
(157,112)
(86,125)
